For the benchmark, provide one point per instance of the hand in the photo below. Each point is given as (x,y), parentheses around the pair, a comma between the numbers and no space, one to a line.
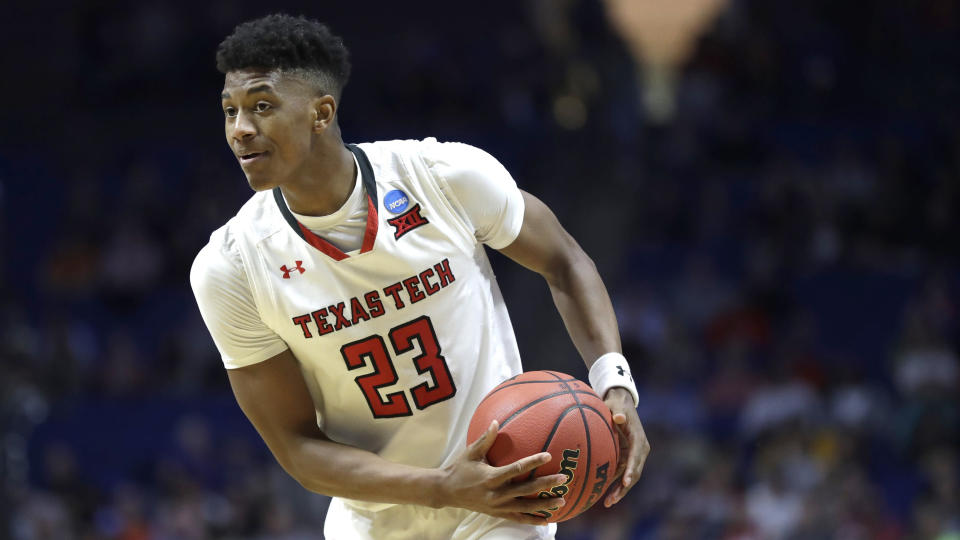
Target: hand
(634,446)
(469,482)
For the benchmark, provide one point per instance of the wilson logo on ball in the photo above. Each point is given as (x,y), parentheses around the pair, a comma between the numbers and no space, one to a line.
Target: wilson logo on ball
(548,411)
(599,485)
(568,467)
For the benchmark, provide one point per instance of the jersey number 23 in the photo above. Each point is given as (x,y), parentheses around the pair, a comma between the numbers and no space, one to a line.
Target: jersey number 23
(373,349)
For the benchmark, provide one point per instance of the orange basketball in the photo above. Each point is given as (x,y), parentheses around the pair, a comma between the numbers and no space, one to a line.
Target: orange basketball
(547,411)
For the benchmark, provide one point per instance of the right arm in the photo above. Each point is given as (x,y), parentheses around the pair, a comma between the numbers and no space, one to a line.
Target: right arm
(274,396)
(270,389)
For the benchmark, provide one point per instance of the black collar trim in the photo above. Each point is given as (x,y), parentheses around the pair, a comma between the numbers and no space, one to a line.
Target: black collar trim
(369,184)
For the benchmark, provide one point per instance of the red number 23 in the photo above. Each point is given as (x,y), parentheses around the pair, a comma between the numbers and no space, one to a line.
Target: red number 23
(373,348)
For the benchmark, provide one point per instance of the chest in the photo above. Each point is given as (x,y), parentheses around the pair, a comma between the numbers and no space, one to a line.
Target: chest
(414,268)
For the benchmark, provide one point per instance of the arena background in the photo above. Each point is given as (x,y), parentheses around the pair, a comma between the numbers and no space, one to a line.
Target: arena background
(769,189)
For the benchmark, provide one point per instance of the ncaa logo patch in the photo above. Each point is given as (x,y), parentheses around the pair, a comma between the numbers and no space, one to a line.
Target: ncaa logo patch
(396,201)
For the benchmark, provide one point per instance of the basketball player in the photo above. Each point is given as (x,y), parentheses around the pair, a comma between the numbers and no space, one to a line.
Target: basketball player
(356,312)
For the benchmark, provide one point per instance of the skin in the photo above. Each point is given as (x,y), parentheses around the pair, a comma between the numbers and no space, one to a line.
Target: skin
(584,305)
(295,127)
(284,117)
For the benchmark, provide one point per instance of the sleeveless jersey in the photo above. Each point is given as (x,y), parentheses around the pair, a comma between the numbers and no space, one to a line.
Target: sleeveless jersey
(398,342)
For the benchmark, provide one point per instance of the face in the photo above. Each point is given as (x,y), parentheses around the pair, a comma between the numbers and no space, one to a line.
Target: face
(269,124)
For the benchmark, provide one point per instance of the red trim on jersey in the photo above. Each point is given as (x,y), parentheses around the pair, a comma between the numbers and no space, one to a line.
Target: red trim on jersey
(370,233)
(329,249)
(370,236)
(332,251)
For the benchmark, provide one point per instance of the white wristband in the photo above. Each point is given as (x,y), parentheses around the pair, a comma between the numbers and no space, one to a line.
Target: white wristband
(612,370)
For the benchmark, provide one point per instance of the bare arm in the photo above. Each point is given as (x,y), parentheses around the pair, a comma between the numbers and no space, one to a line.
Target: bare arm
(581,298)
(584,305)
(275,398)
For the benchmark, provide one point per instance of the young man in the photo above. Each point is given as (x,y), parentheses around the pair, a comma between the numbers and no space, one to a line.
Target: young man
(355,310)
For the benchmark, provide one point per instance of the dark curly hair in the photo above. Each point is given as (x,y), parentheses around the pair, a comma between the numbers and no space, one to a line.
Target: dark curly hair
(283,42)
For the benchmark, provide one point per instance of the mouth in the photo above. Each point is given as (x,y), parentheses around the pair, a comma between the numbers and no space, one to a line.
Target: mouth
(252,157)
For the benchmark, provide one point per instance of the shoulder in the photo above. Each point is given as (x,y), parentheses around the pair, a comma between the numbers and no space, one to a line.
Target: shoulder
(430,150)
(458,163)
(219,262)
(453,153)
(386,149)
(442,161)
(258,218)
(221,258)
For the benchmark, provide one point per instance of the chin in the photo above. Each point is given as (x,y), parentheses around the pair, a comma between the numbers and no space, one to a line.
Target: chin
(260,183)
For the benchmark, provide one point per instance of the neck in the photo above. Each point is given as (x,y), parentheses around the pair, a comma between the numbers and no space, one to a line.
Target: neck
(325,182)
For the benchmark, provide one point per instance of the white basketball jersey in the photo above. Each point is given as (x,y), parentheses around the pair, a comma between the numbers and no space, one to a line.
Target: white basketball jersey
(398,342)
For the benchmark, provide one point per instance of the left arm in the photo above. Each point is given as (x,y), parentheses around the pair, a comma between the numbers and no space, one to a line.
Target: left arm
(584,305)
(521,227)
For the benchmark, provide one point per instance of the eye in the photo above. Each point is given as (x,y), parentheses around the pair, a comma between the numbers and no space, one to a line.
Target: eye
(229,112)
(261,106)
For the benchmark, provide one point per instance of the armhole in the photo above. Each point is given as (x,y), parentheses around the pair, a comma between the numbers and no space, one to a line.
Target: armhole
(446,197)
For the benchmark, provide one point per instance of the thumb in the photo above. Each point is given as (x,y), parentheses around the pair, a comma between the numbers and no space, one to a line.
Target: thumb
(617,410)
(478,450)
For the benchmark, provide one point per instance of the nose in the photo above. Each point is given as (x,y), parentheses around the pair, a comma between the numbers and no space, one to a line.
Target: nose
(243,126)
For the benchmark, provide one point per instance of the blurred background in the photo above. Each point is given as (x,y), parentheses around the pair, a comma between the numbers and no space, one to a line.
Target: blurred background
(770,191)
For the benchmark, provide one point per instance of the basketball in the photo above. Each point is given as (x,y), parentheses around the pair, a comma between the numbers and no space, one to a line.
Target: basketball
(547,411)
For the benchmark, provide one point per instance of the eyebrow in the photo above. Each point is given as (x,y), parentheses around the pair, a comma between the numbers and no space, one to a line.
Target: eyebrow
(264,88)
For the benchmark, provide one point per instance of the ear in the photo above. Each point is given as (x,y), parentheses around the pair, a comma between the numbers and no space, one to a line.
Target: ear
(324,112)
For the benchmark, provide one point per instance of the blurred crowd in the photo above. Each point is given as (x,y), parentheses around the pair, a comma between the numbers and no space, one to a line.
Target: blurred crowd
(781,252)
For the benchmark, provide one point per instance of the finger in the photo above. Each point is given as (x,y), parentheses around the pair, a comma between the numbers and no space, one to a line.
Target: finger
(638,457)
(623,439)
(630,471)
(640,449)
(615,495)
(523,466)
(618,409)
(526,519)
(478,450)
(619,415)
(533,487)
(635,475)
(532,506)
